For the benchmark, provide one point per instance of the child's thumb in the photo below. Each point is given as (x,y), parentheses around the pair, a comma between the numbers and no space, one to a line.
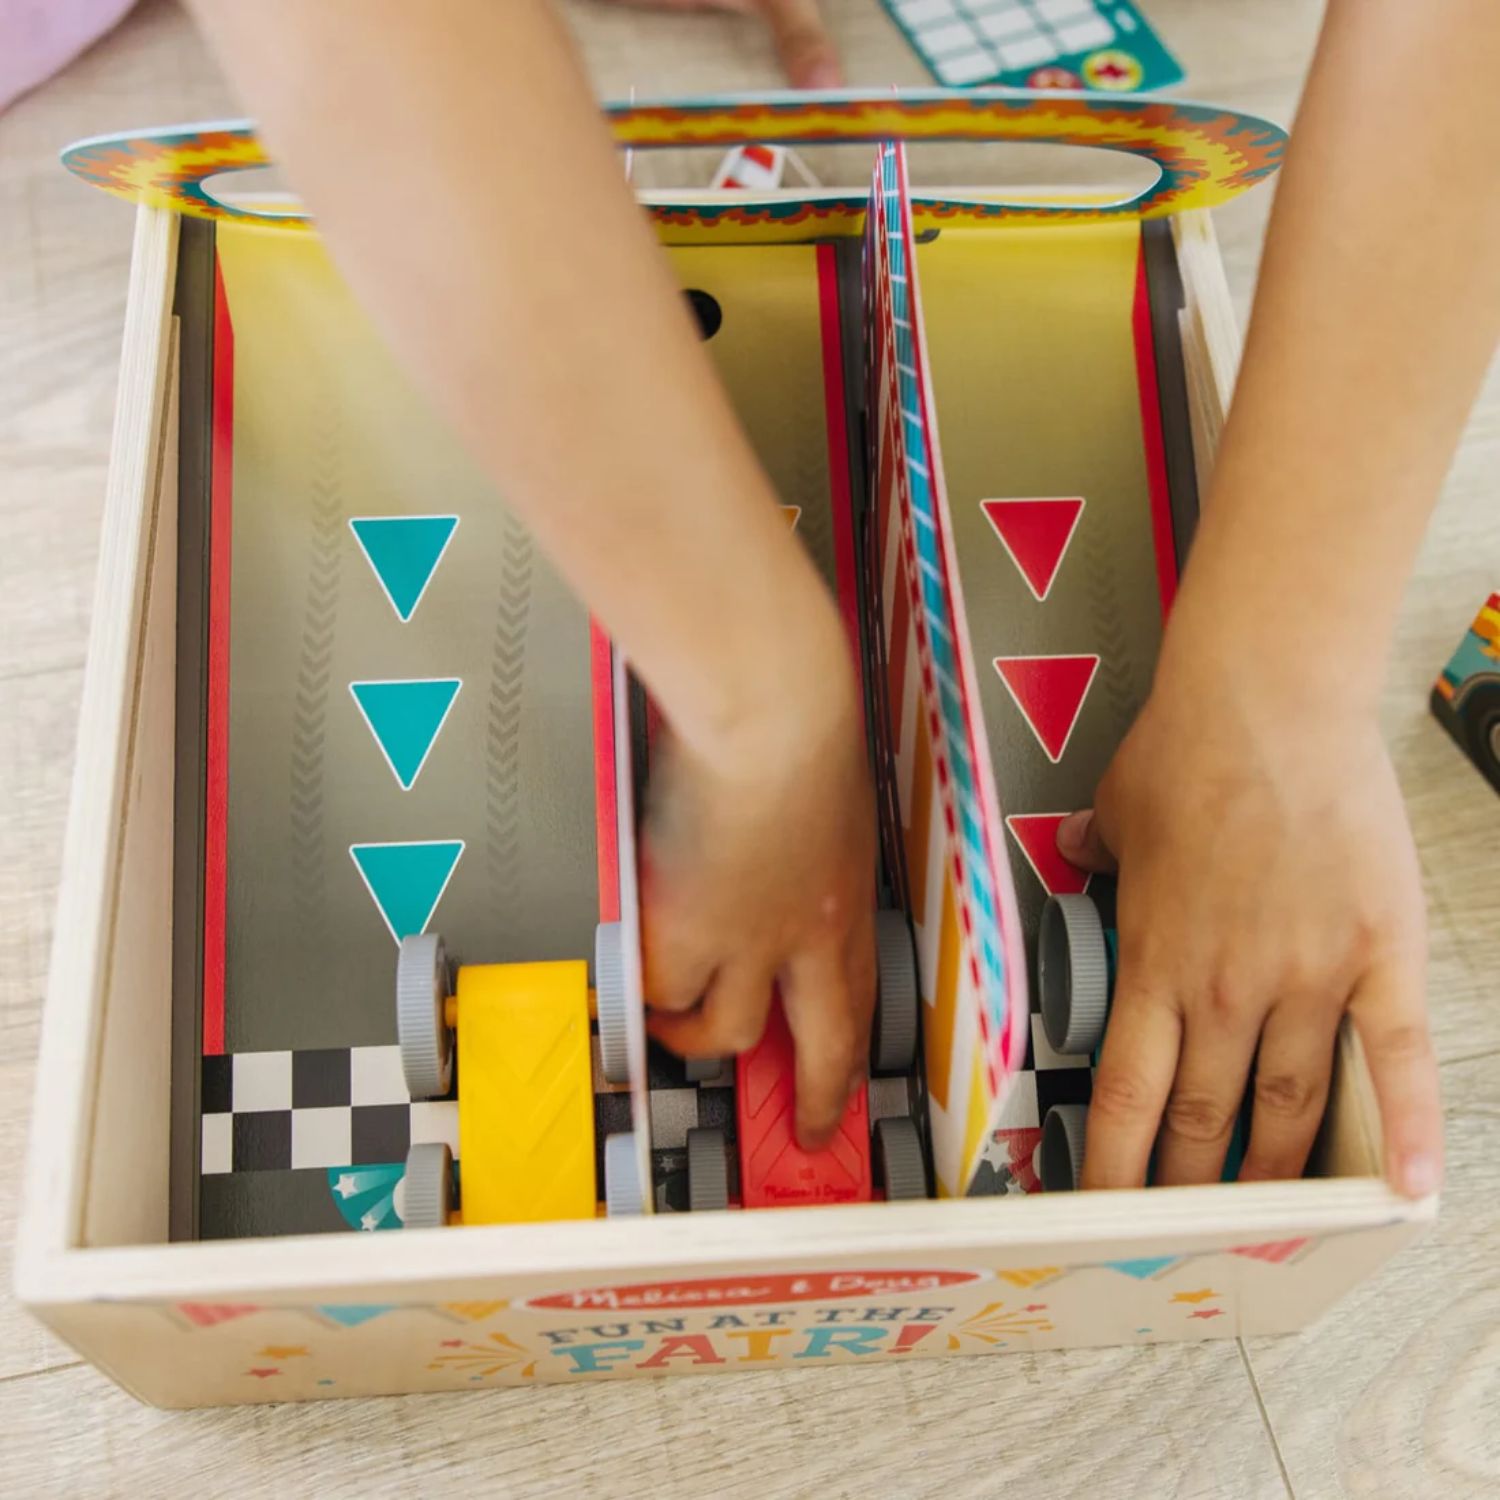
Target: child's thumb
(1080,842)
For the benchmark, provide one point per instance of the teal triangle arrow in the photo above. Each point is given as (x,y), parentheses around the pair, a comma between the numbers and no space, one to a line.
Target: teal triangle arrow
(1143,1270)
(407,880)
(406,717)
(351,1315)
(404,551)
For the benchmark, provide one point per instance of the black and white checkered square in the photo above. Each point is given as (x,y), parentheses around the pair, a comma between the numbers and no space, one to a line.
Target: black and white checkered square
(333,1107)
(1047,1078)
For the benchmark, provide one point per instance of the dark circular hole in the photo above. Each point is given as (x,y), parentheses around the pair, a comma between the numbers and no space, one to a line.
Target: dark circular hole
(706,309)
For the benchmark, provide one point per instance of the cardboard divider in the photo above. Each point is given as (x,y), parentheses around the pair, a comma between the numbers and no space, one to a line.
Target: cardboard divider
(968,932)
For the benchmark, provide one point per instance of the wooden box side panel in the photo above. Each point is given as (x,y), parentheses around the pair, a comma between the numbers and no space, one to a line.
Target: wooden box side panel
(127,1180)
(1350,1141)
(499,1331)
(68,1068)
(1210,337)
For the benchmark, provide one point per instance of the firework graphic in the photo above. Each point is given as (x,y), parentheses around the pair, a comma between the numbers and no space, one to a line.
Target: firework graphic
(994,1326)
(484,1358)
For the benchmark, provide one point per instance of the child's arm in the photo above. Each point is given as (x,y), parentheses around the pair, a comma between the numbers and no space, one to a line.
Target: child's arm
(1268,878)
(460,174)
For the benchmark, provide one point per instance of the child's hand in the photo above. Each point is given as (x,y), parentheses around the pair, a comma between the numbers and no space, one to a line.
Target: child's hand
(1268,883)
(758,873)
(801,40)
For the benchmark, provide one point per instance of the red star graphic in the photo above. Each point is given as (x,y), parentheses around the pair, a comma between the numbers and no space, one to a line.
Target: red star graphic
(1207,1312)
(262,1374)
(1110,70)
(452,1344)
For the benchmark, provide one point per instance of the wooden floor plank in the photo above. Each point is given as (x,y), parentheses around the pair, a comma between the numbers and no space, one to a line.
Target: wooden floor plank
(1395,1392)
(1161,1424)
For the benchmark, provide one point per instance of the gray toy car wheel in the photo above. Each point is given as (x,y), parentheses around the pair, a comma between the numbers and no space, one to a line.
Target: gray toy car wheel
(708,1170)
(1480,713)
(701,1069)
(421,1026)
(1072,975)
(610,1002)
(1059,1161)
(623,1196)
(899,1161)
(898,1004)
(427,1201)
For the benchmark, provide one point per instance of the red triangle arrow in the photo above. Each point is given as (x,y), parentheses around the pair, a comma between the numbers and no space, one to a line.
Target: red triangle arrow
(1049,691)
(1036,833)
(1276,1252)
(1036,533)
(207,1314)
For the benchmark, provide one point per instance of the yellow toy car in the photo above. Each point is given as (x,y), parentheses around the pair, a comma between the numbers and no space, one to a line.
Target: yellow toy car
(526,1105)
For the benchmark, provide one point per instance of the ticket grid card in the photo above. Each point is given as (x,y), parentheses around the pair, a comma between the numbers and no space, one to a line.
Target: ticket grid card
(1038,44)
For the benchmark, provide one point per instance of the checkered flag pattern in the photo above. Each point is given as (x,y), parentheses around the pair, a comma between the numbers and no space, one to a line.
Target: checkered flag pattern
(1048,1078)
(333,1107)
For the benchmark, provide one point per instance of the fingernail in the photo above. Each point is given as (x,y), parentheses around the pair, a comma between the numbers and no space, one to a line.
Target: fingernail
(1420,1175)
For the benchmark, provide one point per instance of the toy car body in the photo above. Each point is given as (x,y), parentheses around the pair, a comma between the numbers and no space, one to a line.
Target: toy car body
(1466,697)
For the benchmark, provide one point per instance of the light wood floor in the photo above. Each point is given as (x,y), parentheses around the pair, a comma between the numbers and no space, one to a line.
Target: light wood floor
(1394,1394)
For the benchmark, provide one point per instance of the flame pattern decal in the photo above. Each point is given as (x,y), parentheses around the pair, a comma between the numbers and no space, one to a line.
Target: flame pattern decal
(1205,156)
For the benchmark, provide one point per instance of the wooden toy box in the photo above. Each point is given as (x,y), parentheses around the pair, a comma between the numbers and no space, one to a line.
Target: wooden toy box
(184,1324)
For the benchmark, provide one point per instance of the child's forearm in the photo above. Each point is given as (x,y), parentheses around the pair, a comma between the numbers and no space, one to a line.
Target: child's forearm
(1377,313)
(460,172)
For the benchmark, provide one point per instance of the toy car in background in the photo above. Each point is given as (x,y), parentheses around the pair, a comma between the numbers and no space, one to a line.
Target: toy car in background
(1466,697)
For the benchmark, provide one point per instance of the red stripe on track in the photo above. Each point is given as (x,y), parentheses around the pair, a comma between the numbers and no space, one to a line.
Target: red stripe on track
(1151,437)
(607,833)
(838,446)
(216,777)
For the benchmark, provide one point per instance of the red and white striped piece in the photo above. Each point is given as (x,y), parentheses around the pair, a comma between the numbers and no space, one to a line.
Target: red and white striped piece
(753,169)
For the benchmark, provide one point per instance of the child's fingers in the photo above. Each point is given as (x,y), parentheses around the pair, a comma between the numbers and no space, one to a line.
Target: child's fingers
(730,1019)
(677,961)
(1388,1013)
(823,1017)
(803,44)
(1292,1071)
(1080,841)
(1205,1097)
(1130,1089)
